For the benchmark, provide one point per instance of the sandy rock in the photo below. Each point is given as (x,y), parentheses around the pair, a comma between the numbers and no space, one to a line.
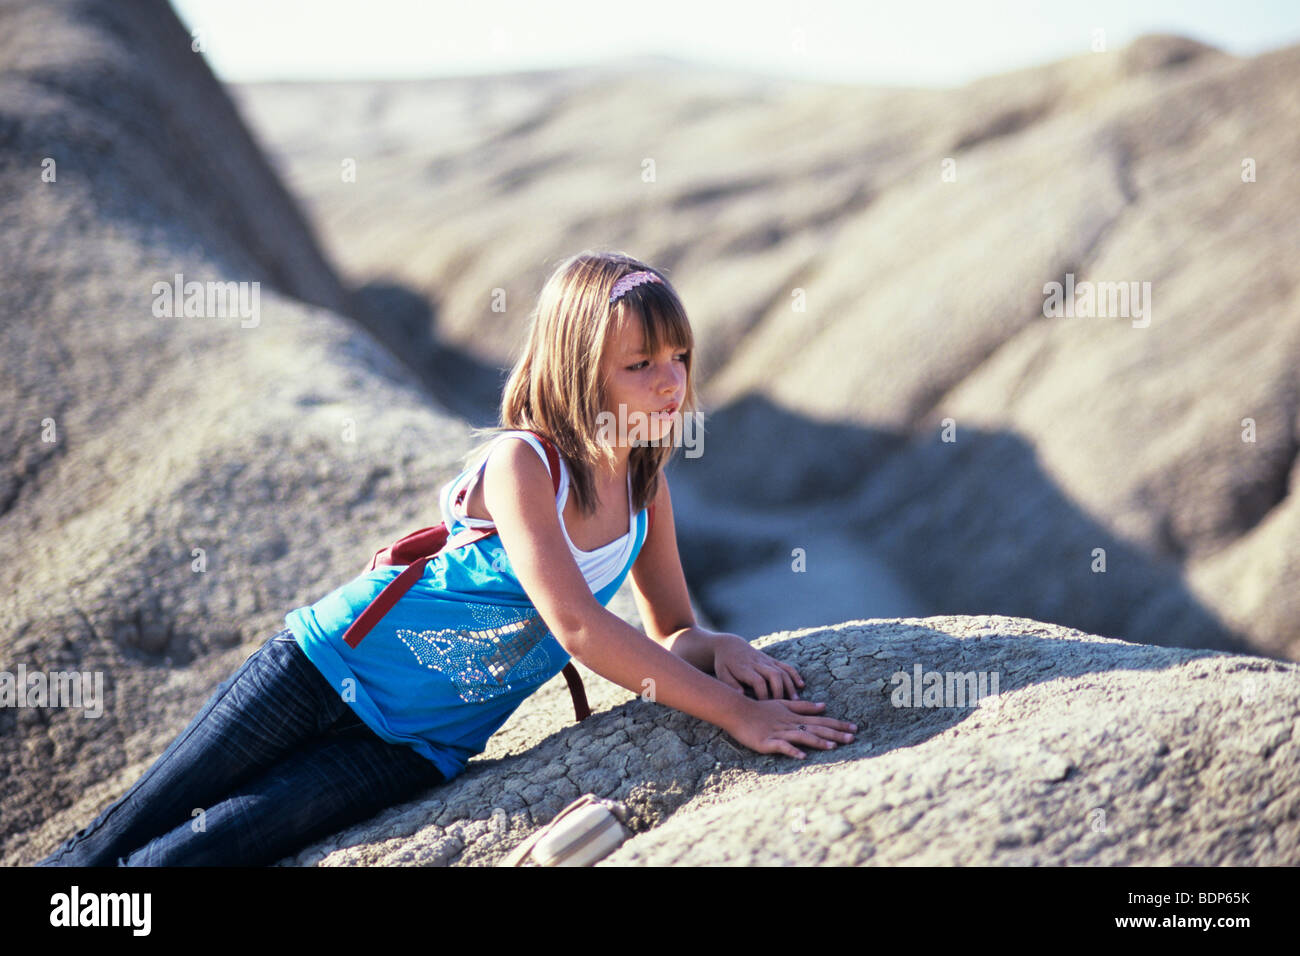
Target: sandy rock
(1093,751)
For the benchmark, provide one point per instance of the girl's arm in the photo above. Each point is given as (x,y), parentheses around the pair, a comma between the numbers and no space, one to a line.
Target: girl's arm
(659,587)
(619,652)
(518,495)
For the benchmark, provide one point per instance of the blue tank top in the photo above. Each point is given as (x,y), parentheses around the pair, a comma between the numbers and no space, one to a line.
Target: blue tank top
(455,656)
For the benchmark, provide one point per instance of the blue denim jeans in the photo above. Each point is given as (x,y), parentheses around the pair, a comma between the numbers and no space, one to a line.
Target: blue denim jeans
(275,760)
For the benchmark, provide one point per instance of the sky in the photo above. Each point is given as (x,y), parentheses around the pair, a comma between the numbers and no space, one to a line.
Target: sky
(934,43)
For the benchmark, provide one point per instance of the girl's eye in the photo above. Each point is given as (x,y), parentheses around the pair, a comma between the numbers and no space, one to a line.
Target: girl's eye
(642,364)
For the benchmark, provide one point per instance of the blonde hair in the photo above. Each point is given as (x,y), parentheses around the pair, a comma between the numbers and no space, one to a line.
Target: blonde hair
(555,387)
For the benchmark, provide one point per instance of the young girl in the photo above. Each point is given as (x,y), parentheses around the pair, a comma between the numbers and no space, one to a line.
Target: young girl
(313,733)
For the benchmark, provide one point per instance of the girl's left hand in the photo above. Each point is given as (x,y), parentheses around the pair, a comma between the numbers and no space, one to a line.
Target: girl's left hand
(736,662)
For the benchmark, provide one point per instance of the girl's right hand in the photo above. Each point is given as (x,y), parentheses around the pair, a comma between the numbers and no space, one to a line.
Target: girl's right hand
(776,725)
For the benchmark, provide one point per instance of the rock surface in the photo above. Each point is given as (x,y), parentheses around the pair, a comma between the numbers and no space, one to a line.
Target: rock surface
(1093,752)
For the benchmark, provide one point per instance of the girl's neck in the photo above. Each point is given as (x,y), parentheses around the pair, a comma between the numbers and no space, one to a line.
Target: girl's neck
(604,473)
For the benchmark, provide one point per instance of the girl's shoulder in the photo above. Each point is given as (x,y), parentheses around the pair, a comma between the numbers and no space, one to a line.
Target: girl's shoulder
(471,483)
(533,440)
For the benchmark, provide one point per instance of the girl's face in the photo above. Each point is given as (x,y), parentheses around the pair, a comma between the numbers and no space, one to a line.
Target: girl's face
(639,386)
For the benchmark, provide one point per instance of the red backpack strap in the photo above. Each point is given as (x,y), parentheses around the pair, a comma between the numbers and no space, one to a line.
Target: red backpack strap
(552,458)
(393,591)
(579,694)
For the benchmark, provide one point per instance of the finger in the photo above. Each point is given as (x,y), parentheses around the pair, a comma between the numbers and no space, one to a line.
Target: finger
(729,679)
(802,706)
(788,684)
(773,677)
(781,745)
(789,669)
(813,707)
(829,731)
(756,681)
(828,735)
(840,730)
(805,734)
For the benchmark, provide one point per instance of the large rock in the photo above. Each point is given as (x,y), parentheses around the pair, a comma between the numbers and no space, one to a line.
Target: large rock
(1094,751)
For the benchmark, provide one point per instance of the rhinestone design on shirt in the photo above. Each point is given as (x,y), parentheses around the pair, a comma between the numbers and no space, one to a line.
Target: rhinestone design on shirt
(479,661)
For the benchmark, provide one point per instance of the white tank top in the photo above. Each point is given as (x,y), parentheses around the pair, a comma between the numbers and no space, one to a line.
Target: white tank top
(599,567)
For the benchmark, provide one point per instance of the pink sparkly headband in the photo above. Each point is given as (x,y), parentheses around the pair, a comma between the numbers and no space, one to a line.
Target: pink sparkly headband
(631,281)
